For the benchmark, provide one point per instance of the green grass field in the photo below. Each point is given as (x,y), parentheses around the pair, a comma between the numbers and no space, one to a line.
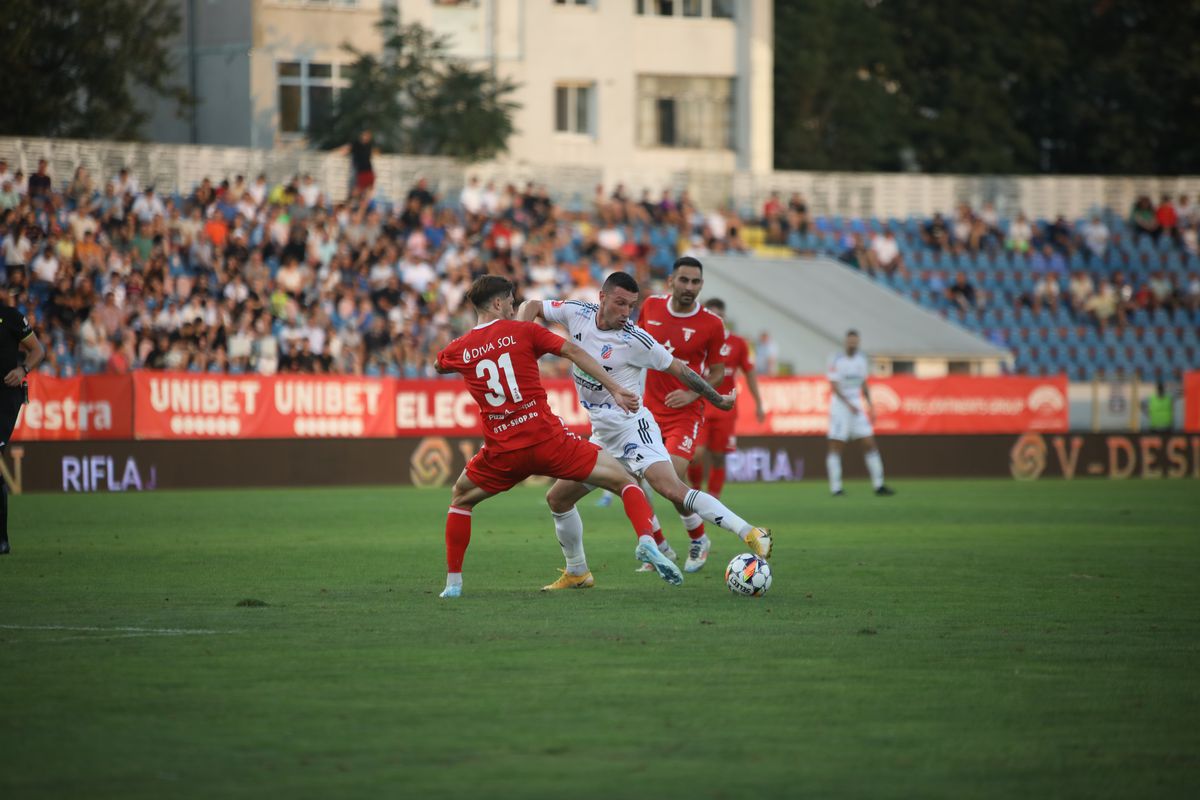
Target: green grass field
(963,639)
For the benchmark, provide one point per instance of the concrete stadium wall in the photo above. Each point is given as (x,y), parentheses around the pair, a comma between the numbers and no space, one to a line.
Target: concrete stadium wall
(828,193)
(122,466)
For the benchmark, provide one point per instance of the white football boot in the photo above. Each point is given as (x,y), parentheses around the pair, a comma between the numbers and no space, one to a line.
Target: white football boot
(697,554)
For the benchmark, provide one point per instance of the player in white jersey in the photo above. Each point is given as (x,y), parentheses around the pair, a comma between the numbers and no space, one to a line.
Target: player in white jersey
(626,352)
(847,375)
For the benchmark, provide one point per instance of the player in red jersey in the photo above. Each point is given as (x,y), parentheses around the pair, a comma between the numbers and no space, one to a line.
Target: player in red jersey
(695,336)
(718,434)
(522,436)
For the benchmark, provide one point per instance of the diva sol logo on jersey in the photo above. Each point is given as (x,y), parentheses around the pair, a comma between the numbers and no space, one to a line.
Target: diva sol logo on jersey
(606,351)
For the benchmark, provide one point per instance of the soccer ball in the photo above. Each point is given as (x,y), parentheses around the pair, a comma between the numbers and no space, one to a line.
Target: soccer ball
(748,575)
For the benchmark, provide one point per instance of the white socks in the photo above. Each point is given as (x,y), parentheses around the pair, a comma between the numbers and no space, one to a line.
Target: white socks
(453,579)
(833,465)
(713,510)
(568,527)
(691,521)
(874,466)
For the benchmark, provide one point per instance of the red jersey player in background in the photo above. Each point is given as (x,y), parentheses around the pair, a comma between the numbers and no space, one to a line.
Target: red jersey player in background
(498,358)
(695,336)
(718,434)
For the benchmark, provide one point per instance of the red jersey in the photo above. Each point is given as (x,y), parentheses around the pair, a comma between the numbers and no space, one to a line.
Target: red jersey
(736,355)
(694,338)
(499,361)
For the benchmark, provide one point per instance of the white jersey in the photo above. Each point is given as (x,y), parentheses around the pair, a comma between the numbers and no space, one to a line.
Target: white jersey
(625,354)
(848,374)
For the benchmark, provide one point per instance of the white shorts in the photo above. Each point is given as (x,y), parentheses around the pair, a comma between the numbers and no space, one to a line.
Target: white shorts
(633,439)
(846,425)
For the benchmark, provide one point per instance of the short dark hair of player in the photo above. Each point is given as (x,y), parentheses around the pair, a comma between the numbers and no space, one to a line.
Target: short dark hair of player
(687,261)
(620,280)
(487,288)
(715,302)
(852,332)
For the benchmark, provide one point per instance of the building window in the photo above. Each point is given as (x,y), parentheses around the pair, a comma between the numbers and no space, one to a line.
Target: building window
(573,108)
(306,93)
(722,9)
(317,3)
(572,2)
(685,112)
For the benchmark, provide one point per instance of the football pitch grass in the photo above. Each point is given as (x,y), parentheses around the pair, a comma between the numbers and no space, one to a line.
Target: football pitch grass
(963,639)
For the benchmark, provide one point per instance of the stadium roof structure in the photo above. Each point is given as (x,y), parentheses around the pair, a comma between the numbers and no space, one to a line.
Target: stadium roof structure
(808,304)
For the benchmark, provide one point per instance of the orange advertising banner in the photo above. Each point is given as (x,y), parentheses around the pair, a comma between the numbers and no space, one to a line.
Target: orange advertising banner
(181,405)
(71,409)
(955,404)
(1191,401)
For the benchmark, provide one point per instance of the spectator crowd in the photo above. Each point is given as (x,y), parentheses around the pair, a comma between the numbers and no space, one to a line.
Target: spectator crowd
(252,276)
(246,276)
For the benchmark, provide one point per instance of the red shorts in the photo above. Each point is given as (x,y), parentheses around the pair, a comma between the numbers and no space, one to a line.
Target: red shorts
(364,180)
(681,433)
(717,433)
(566,456)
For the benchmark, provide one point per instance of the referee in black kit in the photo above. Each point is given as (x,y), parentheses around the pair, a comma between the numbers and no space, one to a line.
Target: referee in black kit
(20,352)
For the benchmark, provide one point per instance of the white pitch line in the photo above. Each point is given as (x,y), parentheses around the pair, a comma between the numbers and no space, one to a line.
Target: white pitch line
(129,632)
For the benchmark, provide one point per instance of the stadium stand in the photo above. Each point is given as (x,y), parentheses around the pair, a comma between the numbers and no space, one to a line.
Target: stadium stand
(240,275)
(808,304)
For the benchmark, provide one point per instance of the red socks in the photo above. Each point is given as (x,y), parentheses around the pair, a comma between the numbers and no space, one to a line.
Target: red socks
(637,508)
(716,481)
(697,532)
(716,477)
(458,536)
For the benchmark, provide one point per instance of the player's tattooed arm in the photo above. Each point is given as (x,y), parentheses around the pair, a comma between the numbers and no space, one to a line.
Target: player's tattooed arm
(697,384)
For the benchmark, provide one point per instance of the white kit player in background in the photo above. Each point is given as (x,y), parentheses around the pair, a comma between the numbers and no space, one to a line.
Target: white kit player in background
(626,351)
(847,420)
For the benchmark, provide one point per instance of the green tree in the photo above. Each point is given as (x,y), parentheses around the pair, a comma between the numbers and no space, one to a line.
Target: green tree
(1129,99)
(961,62)
(838,104)
(72,69)
(417,98)
(1072,86)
